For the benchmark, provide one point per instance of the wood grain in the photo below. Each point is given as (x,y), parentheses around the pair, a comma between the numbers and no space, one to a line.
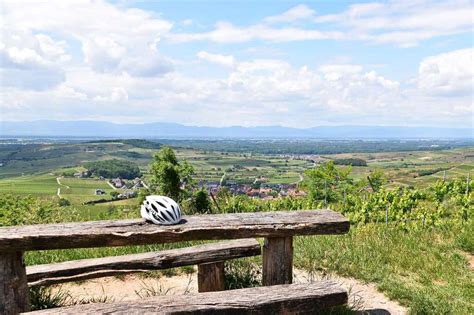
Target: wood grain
(310,298)
(198,227)
(277,261)
(211,277)
(109,266)
(14,294)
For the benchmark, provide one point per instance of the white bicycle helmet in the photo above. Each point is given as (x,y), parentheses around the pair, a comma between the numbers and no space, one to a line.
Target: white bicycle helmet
(161,210)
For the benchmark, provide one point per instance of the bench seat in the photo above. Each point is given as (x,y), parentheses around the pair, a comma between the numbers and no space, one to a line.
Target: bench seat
(83,269)
(310,298)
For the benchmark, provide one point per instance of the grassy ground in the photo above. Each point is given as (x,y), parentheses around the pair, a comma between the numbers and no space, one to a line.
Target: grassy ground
(426,270)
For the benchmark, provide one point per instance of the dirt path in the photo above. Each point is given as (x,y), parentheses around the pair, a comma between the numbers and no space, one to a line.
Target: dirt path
(362,297)
(59,183)
(470,259)
(129,288)
(112,186)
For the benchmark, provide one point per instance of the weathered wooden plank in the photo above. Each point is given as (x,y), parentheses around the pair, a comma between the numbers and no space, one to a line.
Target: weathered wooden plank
(198,227)
(211,277)
(280,299)
(277,260)
(109,266)
(14,294)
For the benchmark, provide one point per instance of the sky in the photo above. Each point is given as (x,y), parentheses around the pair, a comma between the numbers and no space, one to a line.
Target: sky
(248,63)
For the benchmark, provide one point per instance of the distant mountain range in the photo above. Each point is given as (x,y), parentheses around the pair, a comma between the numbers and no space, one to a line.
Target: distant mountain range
(98,129)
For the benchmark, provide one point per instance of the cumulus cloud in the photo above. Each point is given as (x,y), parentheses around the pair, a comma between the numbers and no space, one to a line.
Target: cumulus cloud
(31,61)
(112,39)
(447,74)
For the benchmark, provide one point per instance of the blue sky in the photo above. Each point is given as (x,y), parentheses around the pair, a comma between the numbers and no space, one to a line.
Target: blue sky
(221,63)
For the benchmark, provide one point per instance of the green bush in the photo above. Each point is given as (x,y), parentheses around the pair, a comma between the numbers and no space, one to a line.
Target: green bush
(21,210)
(62,202)
(242,273)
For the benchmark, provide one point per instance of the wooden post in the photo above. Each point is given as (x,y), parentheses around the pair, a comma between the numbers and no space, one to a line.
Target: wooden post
(211,277)
(277,260)
(14,294)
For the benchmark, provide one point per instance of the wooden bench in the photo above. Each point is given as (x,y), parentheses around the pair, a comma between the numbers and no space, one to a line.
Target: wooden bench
(278,229)
(208,256)
(286,299)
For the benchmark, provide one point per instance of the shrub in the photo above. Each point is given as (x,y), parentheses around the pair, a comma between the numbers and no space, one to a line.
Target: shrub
(64,202)
(242,273)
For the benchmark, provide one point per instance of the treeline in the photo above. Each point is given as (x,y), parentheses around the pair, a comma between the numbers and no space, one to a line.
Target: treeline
(114,168)
(138,143)
(351,161)
(428,172)
(313,146)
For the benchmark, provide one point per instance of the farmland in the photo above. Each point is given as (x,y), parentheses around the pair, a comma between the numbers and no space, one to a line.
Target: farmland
(37,168)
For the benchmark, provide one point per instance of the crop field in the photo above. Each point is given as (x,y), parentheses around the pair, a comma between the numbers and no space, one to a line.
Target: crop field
(33,169)
(37,169)
(43,185)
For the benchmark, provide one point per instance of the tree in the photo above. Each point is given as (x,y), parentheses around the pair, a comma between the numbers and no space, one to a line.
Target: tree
(323,182)
(114,194)
(114,168)
(201,201)
(169,176)
(376,180)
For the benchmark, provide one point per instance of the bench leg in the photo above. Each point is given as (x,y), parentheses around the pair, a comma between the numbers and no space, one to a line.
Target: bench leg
(14,293)
(211,277)
(277,261)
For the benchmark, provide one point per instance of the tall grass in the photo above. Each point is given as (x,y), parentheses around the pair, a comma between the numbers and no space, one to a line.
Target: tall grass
(423,269)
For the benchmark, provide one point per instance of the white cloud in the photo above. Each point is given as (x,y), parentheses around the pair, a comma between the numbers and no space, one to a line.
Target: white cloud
(224,60)
(447,74)
(225,32)
(402,23)
(113,39)
(297,13)
(187,22)
(117,94)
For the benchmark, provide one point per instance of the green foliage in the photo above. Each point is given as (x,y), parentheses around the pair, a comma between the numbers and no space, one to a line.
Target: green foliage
(242,273)
(21,210)
(201,202)
(114,194)
(376,180)
(350,161)
(323,182)
(114,168)
(63,202)
(44,297)
(168,175)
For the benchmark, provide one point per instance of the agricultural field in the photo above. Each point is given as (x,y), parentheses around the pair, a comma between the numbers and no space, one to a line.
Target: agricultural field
(36,169)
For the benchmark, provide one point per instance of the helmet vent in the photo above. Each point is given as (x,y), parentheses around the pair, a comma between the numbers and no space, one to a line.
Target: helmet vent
(161,204)
(166,215)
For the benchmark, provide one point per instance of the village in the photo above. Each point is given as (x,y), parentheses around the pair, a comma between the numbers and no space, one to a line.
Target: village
(257,190)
